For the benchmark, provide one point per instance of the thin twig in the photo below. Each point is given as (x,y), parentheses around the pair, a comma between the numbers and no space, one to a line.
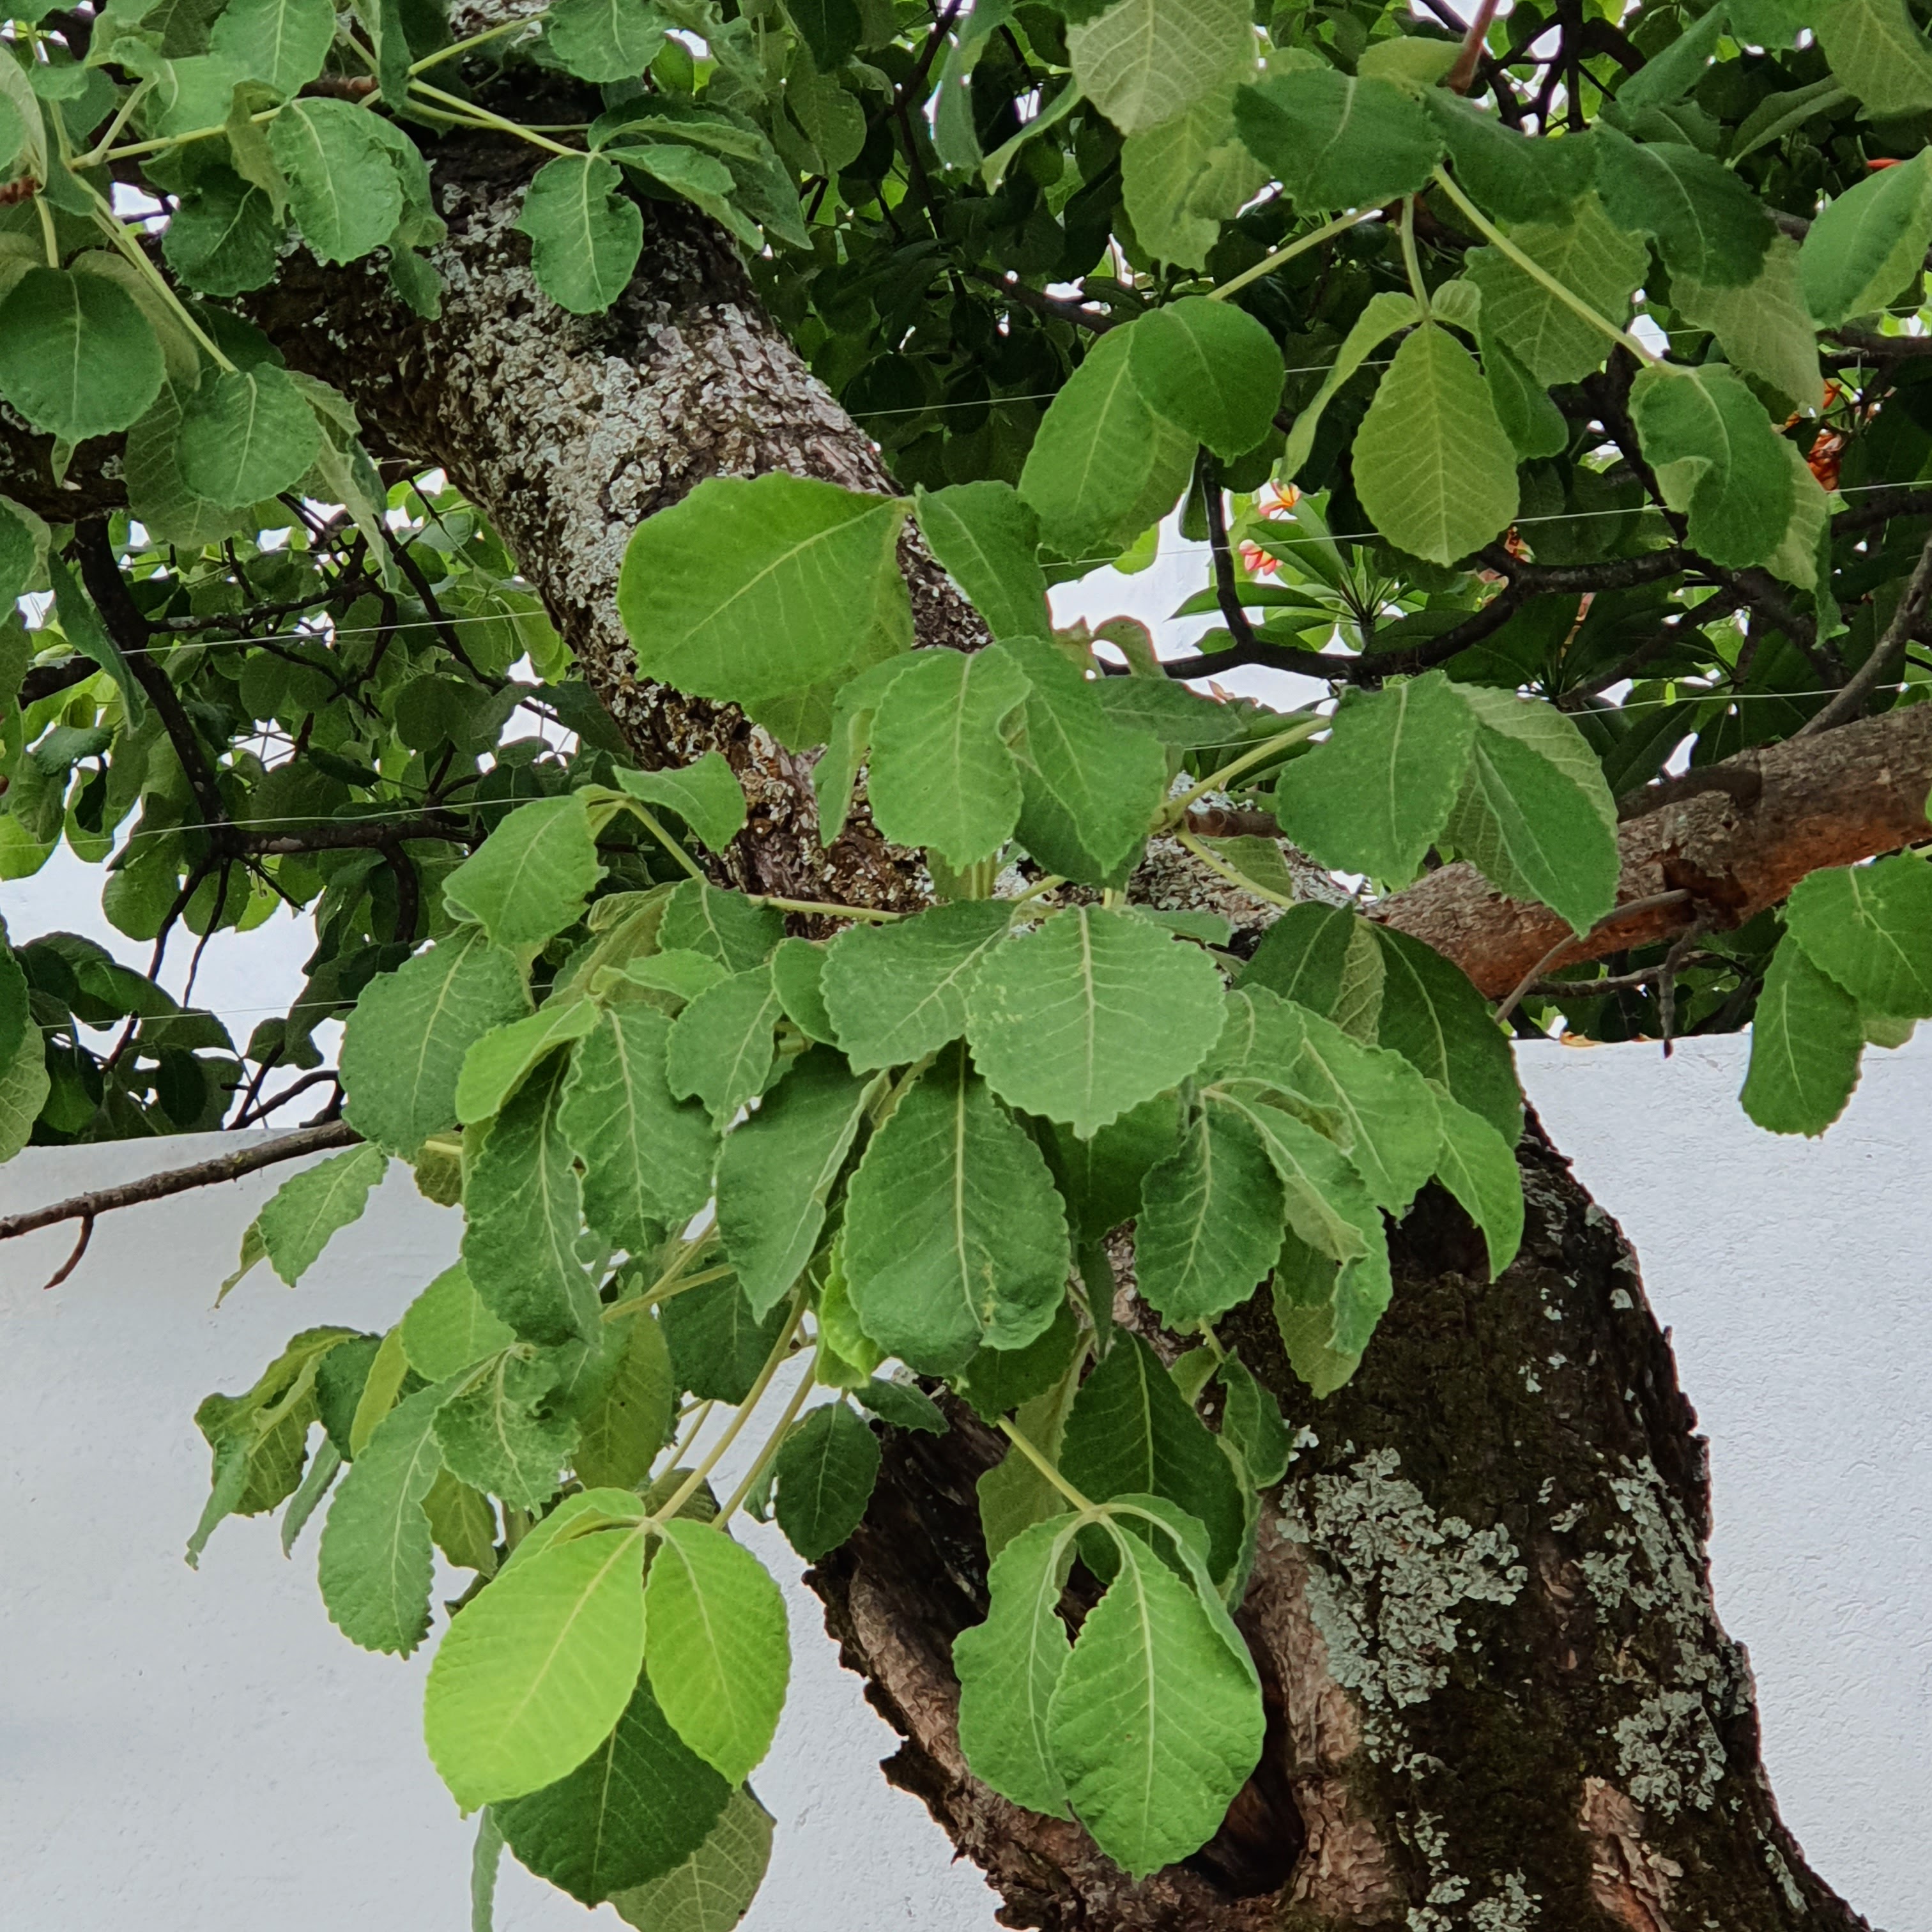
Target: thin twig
(1655,903)
(72,1262)
(1459,77)
(1878,668)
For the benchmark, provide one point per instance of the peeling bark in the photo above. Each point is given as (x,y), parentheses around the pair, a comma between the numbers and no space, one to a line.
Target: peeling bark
(1499,1696)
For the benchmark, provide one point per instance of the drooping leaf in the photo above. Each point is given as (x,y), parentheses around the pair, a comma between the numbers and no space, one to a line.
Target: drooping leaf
(1381,316)
(1709,225)
(1210,367)
(447,1329)
(985,537)
(1806,1044)
(343,186)
(299,1219)
(711,1890)
(1765,327)
(1876,49)
(1210,1221)
(1181,179)
(901,1405)
(1868,244)
(1335,142)
(1142,61)
(529,878)
(798,974)
(1478,1167)
(1870,928)
(622,1431)
(706,794)
(826,1468)
(1251,1419)
(1436,1020)
(77,357)
(896,993)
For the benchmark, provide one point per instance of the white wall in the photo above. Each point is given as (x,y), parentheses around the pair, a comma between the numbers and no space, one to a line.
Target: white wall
(185,1752)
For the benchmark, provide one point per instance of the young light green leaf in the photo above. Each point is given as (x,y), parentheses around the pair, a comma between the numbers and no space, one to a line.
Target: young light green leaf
(718,1650)
(1154,1724)
(1478,1167)
(1373,798)
(1765,327)
(985,538)
(585,236)
(647,1159)
(750,590)
(403,1047)
(1381,316)
(447,1329)
(1435,1019)
(283,42)
(77,357)
(943,773)
(1180,180)
(535,1672)
(377,1559)
(706,794)
(1090,1014)
(712,1889)
(1210,368)
(529,878)
(826,1470)
(1335,141)
(630,1421)
(297,1220)
(604,40)
(1868,244)
(636,1808)
(1870,927)
(1877,50)
(1535,816)
(498,1063)
(343,186)
(524,1207)
(1434,466)
(1143,61)
(1010,1667)
(720,1047)
(778,1169)
(1209,1222)
(896,993)
(1806,1045)
(954,1235)
(1717,459)
(500,1445)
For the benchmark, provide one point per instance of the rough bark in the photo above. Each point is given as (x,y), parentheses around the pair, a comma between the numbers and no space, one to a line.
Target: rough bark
(1498,1695)
(1736,837)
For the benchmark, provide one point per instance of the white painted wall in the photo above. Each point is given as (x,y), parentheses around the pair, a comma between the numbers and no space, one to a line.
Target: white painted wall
(185,1752)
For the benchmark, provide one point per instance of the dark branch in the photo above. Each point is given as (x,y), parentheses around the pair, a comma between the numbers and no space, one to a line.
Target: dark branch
(1061,307)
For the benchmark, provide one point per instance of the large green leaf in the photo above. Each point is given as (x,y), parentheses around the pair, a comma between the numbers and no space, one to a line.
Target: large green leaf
(752,590)
(1435,1019)
(404,1047)
(1381,316)
(1209,1222)
(1708,223)
(1765,327)
(1142,61)
(1868,244)
(712,1889)
(778,1169)
(1516,177)
(720,1048)
(534,1673)
(1154,1725)
(1806,1043)
(630,1421)
(1100,1177)
(447,1329)
(343,186)
(283,42)
(1870,927)
(1372,799)
(1090,1014)
(717,1345)
(247,434)
(497,1064)
(1180,180)
(1210,367)
(705,794)
(896,993)
(954,1233)
(604,40)
(1009,1666)
(529,878)
(716,1645)
(77,357)
(585,235)
(222,237)
(723,926)
(1335,142)
(297,1220)
(985,537)
(1434,466)
(826,1470)
(1877,50)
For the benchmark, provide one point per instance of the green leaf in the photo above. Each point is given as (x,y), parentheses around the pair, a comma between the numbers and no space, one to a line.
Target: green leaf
(1335,142)
(1381,316)
(1142,61)
(723,926)
(750,591)
(1876,49)
(943,773)
(298,1219)
(403,1047)
(636,1808)
(1090,1014)
(447,1329)
(222,237)
(954,1235)
(826,1470)
(985,538)
(1434,468)
(499,1444)
(1708,223)
(529,878)
(345,191)
(721,1047)
(1435,1019)
(534,1674)
(377,1559)
(1210,368)
(1154,1725)
(848,738)
(1515,177)
(1717,460)
(1132,1432)
(585,236)
(1870,927)
(647,1159)
(1252,1420)
(1373,798)
(1304,1313)
(798,976)
(1593,258)
(485,1860)
(703,180)
(1867,245)
(778,1169)
(524,1207)
(623,1429)
(1535,815)
(77,357)
(1806,1044)
(1180,180)
(896,993)
(901,1405)
(718,1345)
(717,1648)
(1534,424)
(713,1889)
(1478,1167)
(497,1064)
(283,42)
(1765,328)
(167,509)
(706,794)
(1010,1667)
(1209,1222)
(1100,1176)
(604,39)
(1302,956)
(998,1381)
(1089,786)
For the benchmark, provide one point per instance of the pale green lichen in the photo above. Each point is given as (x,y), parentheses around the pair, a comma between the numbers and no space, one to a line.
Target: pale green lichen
(1781,1871)
(1513,1908)
(1669,1754)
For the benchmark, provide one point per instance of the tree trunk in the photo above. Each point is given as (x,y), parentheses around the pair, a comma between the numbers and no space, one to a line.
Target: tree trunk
(1499,1696)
